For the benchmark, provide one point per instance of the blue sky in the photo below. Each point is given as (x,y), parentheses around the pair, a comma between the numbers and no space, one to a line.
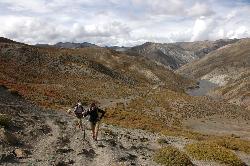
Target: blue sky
(123,22)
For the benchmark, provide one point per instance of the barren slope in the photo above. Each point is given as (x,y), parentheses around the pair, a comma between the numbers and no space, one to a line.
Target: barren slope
(229,67)
(175,55)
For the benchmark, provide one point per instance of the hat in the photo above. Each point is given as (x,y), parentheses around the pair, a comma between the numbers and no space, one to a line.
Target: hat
(92,105)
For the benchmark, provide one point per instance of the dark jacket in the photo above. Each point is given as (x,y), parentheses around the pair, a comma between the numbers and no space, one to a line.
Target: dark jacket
(94,114)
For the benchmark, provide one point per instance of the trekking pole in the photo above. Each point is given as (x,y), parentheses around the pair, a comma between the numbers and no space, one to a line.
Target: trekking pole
(84,134)
(84,128)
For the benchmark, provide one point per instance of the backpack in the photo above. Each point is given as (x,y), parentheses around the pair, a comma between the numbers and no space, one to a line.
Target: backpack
(79,111)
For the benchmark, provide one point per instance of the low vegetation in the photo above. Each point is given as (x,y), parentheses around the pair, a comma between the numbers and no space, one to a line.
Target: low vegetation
(233,144)
(210,151)
(162,141)
(5,120)
(170,156)
(131,119)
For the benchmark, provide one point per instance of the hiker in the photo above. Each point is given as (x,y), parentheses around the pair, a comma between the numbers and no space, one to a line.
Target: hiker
(94,119)
(79,112)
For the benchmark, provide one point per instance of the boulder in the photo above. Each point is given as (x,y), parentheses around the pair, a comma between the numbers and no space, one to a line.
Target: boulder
(20,153)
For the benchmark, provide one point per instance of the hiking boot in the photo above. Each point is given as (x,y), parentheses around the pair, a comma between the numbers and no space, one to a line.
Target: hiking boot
(94,138)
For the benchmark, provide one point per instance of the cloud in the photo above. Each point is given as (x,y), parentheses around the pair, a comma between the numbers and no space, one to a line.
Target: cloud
(127,22)
(202,28)
(34,30)
(200,9)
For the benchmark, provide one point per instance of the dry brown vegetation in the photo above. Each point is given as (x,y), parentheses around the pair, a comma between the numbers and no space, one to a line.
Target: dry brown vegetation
(59,77)
(170,155)
(213,152)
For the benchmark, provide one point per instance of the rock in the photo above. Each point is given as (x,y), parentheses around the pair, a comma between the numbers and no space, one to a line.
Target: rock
(64,150)
(127,157)
(71,162)
(61,163)
(20,153)
(6,157)
(88,153)
(8,137)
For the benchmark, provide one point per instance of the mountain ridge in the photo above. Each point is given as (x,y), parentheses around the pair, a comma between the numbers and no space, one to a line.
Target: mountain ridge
(175,55)
(72,45)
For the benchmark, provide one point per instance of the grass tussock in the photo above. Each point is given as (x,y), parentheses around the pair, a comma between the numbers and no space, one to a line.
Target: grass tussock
(210,151)
(170,155)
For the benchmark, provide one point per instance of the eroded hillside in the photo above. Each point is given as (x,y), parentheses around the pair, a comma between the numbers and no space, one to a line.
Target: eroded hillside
(175,55)
(229,67)
(62,76)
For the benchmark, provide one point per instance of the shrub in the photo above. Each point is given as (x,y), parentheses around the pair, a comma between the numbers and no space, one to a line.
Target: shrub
(234,144)
(130,119)
(170,155)
(162,141)
(213,152)
(14,92)
(5,120)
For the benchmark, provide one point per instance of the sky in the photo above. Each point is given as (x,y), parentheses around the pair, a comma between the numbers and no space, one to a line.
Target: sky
(123,22)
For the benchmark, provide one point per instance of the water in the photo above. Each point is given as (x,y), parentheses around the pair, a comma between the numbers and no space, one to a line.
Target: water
(204,87)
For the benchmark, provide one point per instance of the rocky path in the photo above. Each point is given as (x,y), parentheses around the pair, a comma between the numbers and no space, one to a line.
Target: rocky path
(65,145)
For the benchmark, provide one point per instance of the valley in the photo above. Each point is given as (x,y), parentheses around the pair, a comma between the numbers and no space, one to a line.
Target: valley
(202,88)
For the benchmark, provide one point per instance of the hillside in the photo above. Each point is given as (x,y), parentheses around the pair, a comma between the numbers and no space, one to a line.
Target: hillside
(175,55)
(229,67)
(146,109)
(201,48)
(5,40)
(31,135)
(64,74)
(166,54)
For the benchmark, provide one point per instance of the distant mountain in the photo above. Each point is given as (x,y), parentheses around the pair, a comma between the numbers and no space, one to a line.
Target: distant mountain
(201,48)
(74,45)
(167,54)
(228,66)
(175,55)
(44,45)
(118,48)
(68,45)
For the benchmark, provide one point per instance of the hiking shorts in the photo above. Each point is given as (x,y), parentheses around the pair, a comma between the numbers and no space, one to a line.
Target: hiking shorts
(94,125)
(79,116)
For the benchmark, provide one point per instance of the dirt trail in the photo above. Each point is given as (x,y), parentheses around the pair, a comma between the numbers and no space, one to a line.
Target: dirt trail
(43,150)
(65,145)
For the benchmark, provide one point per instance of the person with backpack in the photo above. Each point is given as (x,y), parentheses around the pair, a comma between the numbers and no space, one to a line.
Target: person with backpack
(94,119)
(79,112)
